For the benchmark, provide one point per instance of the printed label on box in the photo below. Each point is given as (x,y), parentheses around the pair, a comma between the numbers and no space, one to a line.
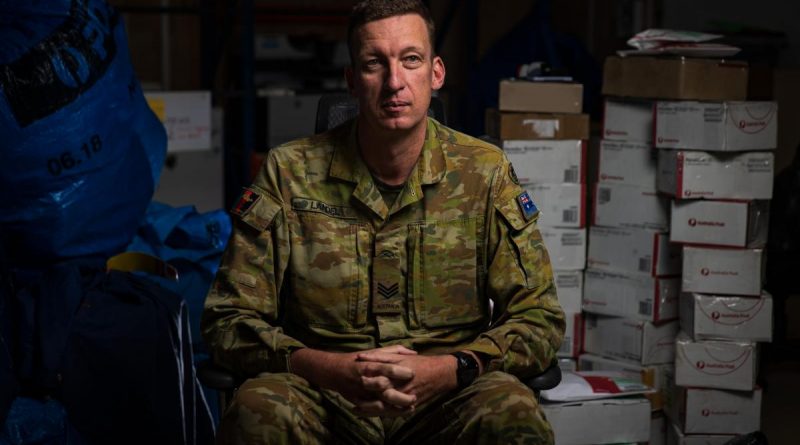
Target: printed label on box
(636,341)
(631,163)
(569,286)
(628,120)
(617,205)
(566,247)
(716,126)
(571,345)
(722,271)
(633,251)
(715,364)
(706,317)
(714,411)
(547,161)
(720,223)
(700,174)
(631,295)
(561,205)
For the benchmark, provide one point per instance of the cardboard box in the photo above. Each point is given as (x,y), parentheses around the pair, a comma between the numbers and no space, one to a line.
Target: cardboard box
(712,411)
(701,174)
(715,363)
(628,120)
(720,223)
(658,428)
(705,317)
(560,205)
(679,78)
(566,247)
(567,364)
(510,125)
(540,97)
(617,420)
(573,336)
(633,251)
(717,126)
(722,271)
(617,205)
(569,286)
(676,437)
(631,295)
(636,341)
(650,375)
(631,163)
(543,161)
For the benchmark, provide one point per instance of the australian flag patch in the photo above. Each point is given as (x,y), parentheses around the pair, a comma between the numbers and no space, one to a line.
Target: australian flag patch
(526,205)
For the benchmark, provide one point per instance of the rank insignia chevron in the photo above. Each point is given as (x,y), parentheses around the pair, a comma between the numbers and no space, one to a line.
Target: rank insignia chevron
(388,292)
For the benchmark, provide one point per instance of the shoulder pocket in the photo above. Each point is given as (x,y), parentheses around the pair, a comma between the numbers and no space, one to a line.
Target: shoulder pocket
(256,208)
(526,242)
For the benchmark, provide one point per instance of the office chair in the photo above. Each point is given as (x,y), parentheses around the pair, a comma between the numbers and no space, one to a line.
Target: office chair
(333,110)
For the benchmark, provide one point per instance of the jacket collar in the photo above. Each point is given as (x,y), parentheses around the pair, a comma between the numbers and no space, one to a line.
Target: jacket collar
(347,165)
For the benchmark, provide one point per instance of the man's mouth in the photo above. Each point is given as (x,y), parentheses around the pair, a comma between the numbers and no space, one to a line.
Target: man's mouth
(395,105)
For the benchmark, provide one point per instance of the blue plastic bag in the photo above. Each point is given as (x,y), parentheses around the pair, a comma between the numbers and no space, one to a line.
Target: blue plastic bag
(191,242)
(38,422)
(81,151)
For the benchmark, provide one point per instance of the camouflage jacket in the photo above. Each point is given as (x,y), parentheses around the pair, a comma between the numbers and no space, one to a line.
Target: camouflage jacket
(318,259)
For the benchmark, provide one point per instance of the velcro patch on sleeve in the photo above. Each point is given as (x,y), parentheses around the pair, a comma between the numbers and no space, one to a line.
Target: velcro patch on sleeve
(246,201)
(526,205)
(513,210)
(256,208)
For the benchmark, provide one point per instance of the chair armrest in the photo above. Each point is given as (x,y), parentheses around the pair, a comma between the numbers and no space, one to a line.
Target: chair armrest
(215,377)
(754,438)
(548,379)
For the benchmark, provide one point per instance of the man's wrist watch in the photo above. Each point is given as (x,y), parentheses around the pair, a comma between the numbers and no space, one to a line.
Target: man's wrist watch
(467,370)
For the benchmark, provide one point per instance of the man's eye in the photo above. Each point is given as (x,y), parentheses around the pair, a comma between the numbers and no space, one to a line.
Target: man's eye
(372,63)
(413,59)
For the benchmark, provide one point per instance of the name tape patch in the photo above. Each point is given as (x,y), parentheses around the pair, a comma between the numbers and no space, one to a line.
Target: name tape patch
(310,205)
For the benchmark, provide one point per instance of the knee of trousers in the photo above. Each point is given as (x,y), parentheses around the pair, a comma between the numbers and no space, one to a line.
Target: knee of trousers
(274,399)
(502,404)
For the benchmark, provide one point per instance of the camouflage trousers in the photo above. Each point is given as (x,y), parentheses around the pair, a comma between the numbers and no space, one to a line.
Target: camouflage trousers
(285,409)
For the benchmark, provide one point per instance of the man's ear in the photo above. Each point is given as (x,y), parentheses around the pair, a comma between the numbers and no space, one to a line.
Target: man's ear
(348,76)
(437,73)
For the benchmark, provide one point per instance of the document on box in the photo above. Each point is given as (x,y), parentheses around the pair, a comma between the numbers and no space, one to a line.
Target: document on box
(589,385)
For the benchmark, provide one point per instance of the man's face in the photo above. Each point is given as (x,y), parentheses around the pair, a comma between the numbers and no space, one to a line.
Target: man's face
(394,72)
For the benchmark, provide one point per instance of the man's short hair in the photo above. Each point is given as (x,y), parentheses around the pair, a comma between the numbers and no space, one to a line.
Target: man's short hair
(371,10)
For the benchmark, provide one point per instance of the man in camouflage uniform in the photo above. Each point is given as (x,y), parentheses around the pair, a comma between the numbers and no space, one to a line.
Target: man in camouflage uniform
(355,292)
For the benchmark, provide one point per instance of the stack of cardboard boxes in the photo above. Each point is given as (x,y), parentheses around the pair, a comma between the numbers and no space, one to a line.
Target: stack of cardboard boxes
(701,192)
(633,275)
(712,160)
(540,127)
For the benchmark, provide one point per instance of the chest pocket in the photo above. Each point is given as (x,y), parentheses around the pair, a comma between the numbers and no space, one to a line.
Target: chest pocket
(328,271)
(444,261)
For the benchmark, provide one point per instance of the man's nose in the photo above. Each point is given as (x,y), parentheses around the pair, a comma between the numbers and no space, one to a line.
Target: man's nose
(395,79)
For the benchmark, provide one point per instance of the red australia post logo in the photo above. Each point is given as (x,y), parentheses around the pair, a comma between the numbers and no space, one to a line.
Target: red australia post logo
(700,364)
(705,413)
(715,315)
(704,271)
(753,124)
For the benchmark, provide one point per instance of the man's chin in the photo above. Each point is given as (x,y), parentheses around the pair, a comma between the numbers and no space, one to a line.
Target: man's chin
(400,123)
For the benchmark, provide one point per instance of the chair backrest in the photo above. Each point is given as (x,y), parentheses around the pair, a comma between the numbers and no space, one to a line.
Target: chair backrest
(335,108)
